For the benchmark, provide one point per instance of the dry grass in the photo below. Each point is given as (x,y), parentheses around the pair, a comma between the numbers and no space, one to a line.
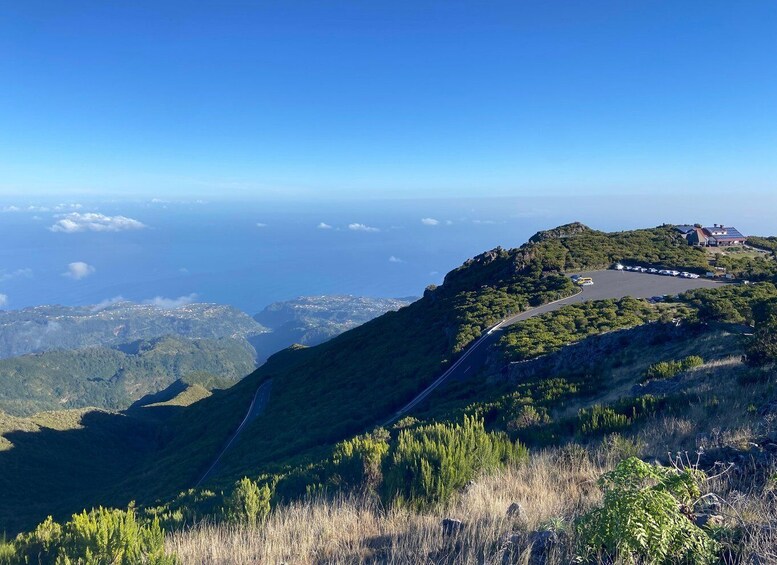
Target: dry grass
(553,488)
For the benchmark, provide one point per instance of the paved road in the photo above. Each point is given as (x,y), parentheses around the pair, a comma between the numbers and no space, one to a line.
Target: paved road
(261,397)
(607,284)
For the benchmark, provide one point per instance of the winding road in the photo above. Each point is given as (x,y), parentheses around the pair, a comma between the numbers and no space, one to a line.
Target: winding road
(258,403)
(607,284)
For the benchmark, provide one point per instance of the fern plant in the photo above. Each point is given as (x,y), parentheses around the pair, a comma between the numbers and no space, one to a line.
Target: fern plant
(642,517)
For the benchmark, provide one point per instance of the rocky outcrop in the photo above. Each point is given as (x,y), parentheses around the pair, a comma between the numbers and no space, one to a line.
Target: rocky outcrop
(561,232)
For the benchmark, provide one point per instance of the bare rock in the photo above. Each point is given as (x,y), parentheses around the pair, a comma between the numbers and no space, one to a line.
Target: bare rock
(516,512)
(708,520)
(451,526)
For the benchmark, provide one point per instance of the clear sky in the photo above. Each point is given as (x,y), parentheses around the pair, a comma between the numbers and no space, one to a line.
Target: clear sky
(292,99)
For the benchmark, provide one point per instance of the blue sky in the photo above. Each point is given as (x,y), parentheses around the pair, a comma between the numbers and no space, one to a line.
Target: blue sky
(283,100)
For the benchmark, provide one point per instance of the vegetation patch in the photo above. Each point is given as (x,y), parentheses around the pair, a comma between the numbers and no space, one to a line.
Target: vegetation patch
(669,369)
(93,538)
(549,332)
(645,517)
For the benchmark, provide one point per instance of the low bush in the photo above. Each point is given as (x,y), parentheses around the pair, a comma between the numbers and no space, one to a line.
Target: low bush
(641,518)
(93,538)
(428,464)
(761,349)
(599,420)
(669,369)
(249,503)
(356,463)
(550,332)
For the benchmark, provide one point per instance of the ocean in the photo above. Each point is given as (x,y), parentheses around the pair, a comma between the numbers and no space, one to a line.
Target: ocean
(251,253)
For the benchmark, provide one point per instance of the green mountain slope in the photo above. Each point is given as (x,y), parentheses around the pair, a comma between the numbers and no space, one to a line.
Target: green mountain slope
(43,328)
(310,320)
(114,378)
(328,393)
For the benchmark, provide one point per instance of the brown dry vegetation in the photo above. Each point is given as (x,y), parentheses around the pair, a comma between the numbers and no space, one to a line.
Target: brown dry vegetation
(554,488)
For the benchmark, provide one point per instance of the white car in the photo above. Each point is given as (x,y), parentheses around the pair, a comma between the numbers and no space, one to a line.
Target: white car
(663,272)
(652,270)
(674,273)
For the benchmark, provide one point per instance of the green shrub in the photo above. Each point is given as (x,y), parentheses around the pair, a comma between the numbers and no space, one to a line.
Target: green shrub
(7,552)
(430,463)
(761,349)
(249,503)
(600,420)
(550,332)
(669,369)
(640,519)
(729,303)
(92,538)
(357,462)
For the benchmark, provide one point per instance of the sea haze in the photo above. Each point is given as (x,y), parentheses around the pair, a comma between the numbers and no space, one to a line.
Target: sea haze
(249,254)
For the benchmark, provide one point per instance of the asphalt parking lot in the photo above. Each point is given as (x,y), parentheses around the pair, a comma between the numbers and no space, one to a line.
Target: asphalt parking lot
(617,284)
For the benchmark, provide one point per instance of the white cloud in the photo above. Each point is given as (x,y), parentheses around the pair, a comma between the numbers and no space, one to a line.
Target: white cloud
(78,270)
(484,222)
(3,300)
(323,226)
(63,206)
(394,259)
(260,225)
(169,303)
(159,201)
(92,221)
(18,273)
(106,303)
(11,208)
(362,227)
(430,222)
